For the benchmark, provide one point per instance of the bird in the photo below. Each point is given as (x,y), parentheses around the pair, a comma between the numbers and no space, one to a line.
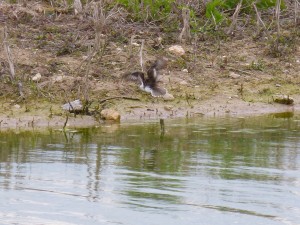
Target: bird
(150,83)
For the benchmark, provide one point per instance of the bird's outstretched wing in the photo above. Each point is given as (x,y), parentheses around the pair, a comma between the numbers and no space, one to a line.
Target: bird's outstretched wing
(153,71)
(135,76)
(158,91)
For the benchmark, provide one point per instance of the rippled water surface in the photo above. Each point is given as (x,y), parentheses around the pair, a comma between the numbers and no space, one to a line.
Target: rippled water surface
(199,171)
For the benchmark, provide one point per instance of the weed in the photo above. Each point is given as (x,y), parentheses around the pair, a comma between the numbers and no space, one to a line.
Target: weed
(265,91)
(257,65)
(147,9)
(283,44)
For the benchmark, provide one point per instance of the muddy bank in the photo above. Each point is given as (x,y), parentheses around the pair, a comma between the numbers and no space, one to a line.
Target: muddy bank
(139,111)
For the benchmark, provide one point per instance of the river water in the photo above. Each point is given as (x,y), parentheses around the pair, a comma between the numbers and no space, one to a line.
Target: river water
(205,171)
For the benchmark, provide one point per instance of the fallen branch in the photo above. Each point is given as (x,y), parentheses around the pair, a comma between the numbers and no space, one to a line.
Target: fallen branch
(121,97)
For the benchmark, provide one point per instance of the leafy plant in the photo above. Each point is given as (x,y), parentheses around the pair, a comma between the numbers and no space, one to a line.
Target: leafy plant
(147,9)
(215,8)
(213,12)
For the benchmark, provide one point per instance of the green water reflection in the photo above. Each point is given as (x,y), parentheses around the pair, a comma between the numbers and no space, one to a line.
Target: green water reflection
(215,164)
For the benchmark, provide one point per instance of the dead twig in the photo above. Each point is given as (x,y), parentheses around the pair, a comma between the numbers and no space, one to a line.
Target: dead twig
(117,97)
(11,63)
(277,18)
(65,124)
(296,11)
(9,55)
(277,15)
(99,23)
(185,34)
(235,17)
(20,87)
(259,20)
(141,55)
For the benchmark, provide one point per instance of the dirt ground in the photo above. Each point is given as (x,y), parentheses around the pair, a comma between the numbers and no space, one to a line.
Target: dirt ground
(236,75)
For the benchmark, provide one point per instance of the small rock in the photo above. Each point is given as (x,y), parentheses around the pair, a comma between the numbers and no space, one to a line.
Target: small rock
(234,75)
(168,107)
(73,106)
(185,71)
(110,114)
(168,97)
(36,77)
(183,82)
(277,85)
(17,106)
(177,50)
(283,99)
(59,78)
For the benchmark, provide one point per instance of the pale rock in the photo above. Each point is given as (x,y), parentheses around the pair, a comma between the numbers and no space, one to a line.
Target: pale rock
(59,78)
(185,71)
(77,7)
(234,75)
(110,114)
(36,77)
(168,107)
(17,106)
(277,85)
(177,50)
(75,105)
(183,82)
(136,44)
(168,97)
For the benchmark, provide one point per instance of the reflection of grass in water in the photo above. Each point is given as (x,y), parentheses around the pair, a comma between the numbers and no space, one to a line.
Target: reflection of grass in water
(170,198)
(241,211)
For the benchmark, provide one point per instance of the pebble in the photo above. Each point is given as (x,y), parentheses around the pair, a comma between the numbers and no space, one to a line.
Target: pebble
(110,114)
(234,75)
(36,77)
(168,97)
(177,50)
(183,82)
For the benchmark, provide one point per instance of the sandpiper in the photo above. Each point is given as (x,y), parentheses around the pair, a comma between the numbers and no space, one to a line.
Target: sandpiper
(150,84)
